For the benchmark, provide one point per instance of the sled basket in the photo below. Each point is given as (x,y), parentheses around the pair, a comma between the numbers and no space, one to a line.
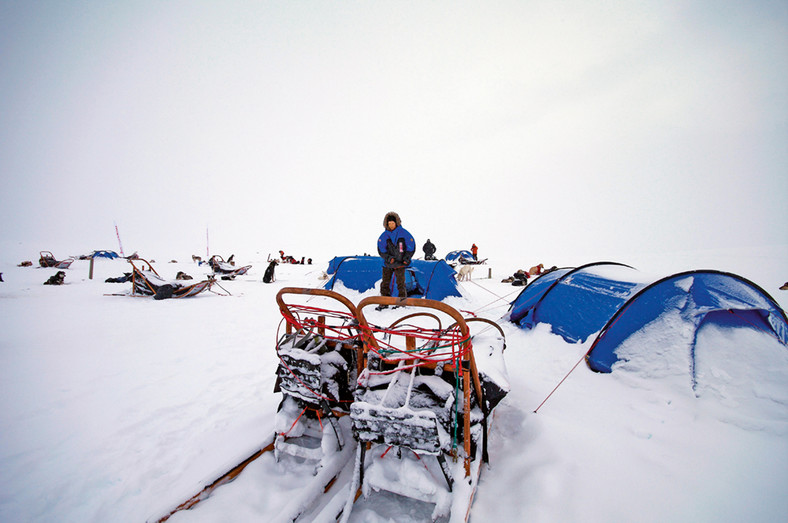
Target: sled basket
(313,377)
(318,354)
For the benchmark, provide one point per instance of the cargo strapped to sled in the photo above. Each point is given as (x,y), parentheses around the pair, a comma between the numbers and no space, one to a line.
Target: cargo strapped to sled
(320,351)
(420,419)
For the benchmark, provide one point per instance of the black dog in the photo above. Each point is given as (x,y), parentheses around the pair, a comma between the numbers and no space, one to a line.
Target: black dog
(268,277)
(57,279)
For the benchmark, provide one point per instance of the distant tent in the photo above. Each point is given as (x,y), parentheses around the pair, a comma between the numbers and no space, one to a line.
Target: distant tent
(455,257)
(612,302)
(104,254)
(424,279)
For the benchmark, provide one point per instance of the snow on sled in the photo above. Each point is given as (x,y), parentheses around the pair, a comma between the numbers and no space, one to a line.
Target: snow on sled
(145,281)
(227,270)
(47,259)
(422,410)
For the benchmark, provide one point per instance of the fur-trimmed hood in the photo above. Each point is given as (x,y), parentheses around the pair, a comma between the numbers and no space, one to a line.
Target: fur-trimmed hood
(396,218)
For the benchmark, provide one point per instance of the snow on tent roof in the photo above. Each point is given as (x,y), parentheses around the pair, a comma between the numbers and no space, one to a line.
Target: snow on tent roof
(576,302)
(433,280)
(606,299)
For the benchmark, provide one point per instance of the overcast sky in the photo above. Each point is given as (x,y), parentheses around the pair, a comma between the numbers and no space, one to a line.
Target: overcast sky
(527,127)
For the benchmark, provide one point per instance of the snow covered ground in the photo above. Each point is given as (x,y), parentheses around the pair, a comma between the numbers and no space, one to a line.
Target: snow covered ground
(117,409)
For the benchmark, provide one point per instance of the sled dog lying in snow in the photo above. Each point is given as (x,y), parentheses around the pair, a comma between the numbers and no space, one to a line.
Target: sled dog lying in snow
(464,274)
(536,270)
(57,279)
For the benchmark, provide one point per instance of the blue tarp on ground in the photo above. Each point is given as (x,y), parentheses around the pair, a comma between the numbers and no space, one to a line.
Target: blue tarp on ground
(611,302)
(433,280)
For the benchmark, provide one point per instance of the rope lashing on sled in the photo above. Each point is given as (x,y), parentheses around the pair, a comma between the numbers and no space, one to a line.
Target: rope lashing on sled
(436,346)
(340,333)
(319,419)
(306,321)
(415,454)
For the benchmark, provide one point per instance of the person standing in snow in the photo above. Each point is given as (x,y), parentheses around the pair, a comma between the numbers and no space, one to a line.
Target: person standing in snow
(475,251)
(429,250)
(396,246)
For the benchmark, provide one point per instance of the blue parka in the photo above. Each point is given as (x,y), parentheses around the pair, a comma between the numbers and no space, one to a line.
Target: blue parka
(396,247)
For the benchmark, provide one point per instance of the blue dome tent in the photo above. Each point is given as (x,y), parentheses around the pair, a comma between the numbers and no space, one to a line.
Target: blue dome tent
(104,254)
(588,295)
(612,302)
(433,280)
(455,257)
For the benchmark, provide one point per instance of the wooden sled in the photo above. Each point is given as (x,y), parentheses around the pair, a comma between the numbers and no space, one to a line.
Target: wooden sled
(421,409)
(147,282)
(47,259)
(225,269)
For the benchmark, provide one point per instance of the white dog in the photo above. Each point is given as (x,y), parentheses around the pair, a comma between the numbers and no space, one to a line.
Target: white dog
(464,274)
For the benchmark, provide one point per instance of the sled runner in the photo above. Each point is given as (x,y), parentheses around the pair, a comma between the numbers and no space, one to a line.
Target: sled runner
(227,270)
(47,259)
(145,281)
(422,410)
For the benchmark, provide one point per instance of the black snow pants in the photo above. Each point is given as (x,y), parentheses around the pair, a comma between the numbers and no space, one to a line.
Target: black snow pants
(385,285)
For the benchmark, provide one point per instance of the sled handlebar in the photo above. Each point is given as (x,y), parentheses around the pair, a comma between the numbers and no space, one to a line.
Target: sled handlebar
(410,302)
(287,313)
